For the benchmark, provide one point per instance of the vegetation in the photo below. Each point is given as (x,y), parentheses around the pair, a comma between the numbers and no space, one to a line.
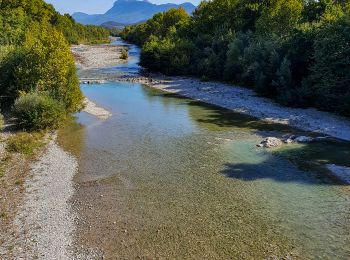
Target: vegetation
(35,59)
(294,51)
(2,123)
(124,54)
(37,111)
(17,16)
(24,143)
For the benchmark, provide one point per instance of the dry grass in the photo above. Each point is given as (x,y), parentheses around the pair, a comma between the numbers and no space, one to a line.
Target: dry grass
(25,143)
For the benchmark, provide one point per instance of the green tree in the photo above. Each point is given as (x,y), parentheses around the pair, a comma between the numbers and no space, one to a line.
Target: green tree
(330,78)
(43,64)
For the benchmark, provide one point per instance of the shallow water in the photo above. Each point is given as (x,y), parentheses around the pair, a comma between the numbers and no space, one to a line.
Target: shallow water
(167,177)
(171,178)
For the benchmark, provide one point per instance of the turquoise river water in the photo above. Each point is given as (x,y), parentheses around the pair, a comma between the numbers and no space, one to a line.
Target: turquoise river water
(171,178)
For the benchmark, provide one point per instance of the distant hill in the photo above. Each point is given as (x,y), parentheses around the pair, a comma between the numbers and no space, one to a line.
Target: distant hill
(113,25)
(129,12)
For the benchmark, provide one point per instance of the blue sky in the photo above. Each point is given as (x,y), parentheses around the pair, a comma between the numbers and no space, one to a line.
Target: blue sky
(98,6)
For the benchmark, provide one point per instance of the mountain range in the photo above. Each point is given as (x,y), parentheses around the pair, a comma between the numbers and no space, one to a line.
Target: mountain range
(129,12)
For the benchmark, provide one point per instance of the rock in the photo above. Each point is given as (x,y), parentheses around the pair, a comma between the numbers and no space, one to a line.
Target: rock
(288,141)
(303,139)
(270,142)
(341,172)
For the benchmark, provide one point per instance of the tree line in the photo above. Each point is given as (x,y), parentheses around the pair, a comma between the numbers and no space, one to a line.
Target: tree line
(295,51)
(38,73)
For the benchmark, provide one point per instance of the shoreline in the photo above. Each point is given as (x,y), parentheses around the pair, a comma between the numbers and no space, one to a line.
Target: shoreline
(245,101)
(45,220)
(95,110)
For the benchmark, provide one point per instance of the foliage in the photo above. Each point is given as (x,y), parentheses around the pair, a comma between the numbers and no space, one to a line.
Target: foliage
(294,51)
(35,56)
(43,63)
(16,16)
(124,54)
(330,78)
(25,143)
(161,25)
(36,112)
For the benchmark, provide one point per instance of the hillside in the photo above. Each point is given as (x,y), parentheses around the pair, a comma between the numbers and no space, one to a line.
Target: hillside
(129,12)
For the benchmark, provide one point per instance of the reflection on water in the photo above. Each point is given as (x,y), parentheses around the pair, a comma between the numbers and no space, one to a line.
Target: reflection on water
(167,177)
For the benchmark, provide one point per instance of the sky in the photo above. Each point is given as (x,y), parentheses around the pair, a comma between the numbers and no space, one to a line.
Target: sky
(98,6)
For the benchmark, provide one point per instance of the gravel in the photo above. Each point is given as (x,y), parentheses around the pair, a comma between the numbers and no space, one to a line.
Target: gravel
(95,110)
(96,56)
(45,221)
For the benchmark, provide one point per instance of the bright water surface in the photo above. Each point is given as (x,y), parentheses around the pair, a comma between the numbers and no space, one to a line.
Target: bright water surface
(170,178)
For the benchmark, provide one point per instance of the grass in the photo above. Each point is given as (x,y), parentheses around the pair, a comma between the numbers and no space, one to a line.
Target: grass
(3,163)
(25,143)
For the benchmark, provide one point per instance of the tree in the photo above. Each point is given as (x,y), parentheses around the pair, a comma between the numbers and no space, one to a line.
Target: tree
(280,17)
(330,78)
(43,64)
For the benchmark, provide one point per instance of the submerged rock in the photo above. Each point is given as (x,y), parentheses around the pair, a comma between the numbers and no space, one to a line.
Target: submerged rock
(270,142)
(303,139)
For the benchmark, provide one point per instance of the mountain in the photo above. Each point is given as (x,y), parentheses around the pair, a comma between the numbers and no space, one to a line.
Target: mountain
(129,12)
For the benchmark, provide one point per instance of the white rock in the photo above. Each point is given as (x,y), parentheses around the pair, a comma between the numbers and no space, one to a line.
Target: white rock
(288,141)
(270,142)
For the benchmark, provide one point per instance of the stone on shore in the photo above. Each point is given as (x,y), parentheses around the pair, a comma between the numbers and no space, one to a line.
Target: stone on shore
(270,142)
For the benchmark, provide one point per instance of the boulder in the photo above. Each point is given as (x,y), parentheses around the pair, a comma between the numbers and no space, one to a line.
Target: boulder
(270,142)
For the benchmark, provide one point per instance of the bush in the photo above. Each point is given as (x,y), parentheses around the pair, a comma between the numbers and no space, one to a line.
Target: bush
(124,54)
(35,112)
(25,143)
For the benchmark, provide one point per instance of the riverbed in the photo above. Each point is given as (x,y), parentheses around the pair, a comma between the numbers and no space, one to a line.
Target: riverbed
(168,177)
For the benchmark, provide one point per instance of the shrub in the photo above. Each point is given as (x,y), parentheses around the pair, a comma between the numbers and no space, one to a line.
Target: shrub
(124,54)
(25,143)
(35,112)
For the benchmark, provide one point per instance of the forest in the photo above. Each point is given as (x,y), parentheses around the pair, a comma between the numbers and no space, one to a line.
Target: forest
(294,51)
(38,74)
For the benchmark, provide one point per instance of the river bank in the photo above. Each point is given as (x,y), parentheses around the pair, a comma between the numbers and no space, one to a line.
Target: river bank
(45,222)
(35,191)
(97,56)
(95,110)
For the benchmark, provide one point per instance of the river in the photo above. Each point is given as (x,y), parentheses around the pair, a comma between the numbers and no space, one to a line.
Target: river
(171,178)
